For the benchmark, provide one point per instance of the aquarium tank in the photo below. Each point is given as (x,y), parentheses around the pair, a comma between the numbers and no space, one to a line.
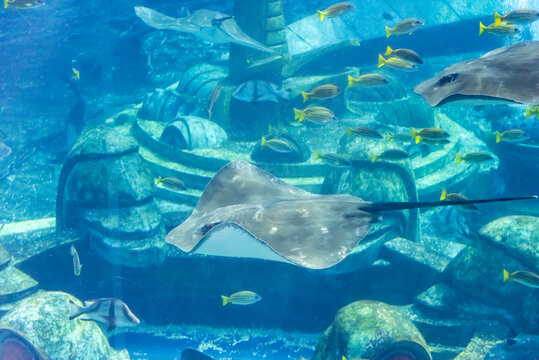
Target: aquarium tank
(269,179)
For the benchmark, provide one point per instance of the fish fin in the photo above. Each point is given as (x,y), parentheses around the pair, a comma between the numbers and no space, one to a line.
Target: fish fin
(381,61)
(263,141)
(528,113)
(316,155)
(305,96)
(226,299)
(350,81)
(373,157)
(299,115)
(443,196)
(388,51)
(75,310)
(321,14)
(506,275)
(459,158)
(497,19)
(390,206)
(417,139)
(349,131)
(389,31)
(481,28)
(498,137)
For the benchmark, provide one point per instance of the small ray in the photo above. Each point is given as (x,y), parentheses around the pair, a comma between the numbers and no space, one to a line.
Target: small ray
(207,25)
(507,74)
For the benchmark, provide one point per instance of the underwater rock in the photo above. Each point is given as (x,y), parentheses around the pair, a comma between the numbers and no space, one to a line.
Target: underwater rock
(477,348)
(107,183)
(300,154)
(190,132)
(5,258)
(15,285)
(520,347)
(413,255)
(378,181)
(43,321)
(478,270)
(518,235)
(371,330)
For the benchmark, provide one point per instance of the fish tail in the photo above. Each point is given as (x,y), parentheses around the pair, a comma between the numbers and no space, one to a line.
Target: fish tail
(226,299)
(75,310)
(373,157)
(506,275)
(305,96)
(381,61)
(6,4)
(321,14)
(414,133)
(497,19)
(299,115)
(498,137)
(481,28)
(388,51)
(458,158)
(528,113)
(350,81)
(443,196)
(388,137)
(349,131)
(159,181)
(343,357)
(316,155)
(389,31)
(263,141)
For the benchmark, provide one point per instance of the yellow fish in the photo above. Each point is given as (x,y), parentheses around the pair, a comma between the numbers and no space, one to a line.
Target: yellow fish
(531,111)
(76,74)
(335,10)
(396,63)
(501,29)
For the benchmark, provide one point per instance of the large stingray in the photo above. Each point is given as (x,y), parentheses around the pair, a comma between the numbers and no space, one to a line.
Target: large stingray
(207,25)
(509,73)
(246,212)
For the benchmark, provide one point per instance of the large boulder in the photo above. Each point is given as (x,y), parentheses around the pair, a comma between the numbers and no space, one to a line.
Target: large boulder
(107,187)
(40,323)
(371,330)
(507,243)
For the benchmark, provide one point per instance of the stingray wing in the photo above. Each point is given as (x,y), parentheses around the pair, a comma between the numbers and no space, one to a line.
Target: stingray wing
(314,231)
(508,73)
(160,21)
(236,35)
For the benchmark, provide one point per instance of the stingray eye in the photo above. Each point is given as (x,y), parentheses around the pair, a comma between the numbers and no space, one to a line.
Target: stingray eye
(448,79)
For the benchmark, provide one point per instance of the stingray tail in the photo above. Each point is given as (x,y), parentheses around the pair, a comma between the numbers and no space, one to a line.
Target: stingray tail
(388,206)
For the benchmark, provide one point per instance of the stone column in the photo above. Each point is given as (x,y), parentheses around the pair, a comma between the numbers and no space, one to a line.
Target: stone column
(263,20)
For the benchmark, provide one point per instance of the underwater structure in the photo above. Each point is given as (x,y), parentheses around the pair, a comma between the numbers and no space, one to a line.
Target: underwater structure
(128,184)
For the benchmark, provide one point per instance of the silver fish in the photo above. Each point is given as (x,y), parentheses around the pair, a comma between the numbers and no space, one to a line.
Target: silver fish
(110,311)
(77,266)
(241,298)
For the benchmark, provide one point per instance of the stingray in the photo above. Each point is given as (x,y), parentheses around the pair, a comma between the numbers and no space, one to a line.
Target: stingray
(507,74)
(207,25)
(245,212)
(256,91)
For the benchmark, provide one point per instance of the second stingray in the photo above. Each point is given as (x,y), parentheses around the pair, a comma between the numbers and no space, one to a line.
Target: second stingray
(247,212)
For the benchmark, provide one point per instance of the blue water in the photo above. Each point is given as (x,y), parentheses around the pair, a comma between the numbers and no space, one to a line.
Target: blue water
(45,111)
